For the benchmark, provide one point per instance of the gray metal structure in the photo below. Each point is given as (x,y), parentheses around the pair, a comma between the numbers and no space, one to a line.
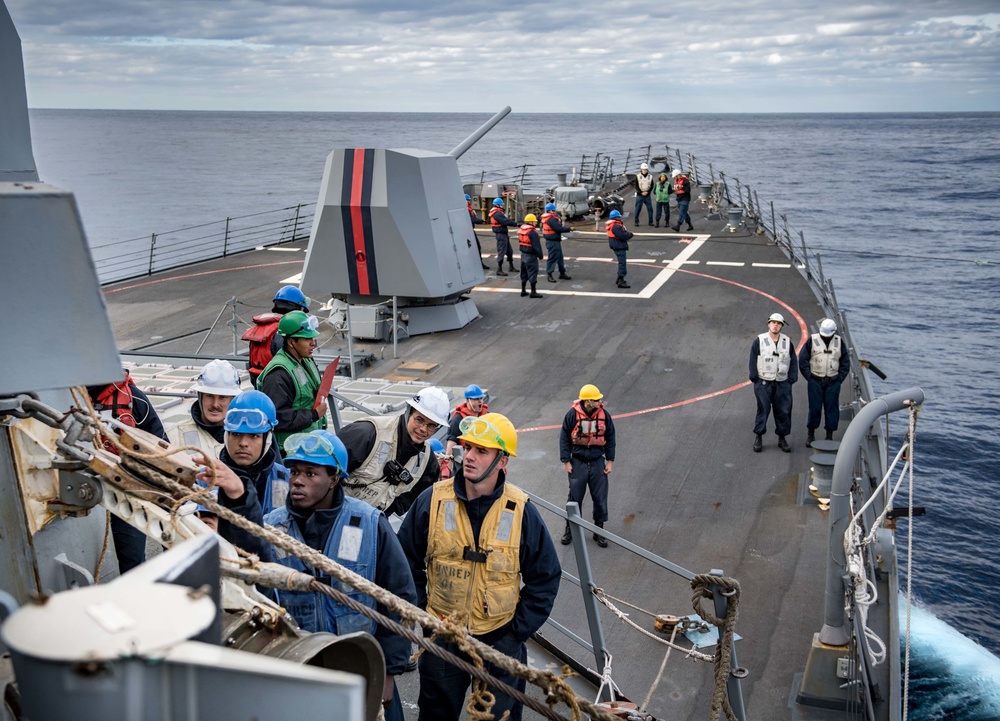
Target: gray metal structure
(17,162)
(393,224)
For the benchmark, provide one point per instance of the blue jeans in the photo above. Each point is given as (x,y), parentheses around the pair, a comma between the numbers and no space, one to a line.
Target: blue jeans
(825,400)
(665,209)
(443,686)
(640,202)
(620,255)
(554,250)
(682,212)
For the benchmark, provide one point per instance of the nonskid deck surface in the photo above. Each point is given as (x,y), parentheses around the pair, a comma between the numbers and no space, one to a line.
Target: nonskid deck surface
(670,356)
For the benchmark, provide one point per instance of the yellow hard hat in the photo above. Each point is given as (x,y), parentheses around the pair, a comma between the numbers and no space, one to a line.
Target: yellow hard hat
(530,218)
(590,393)
(491,430)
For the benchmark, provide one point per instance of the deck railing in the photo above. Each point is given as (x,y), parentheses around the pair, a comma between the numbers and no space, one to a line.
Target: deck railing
(136,257)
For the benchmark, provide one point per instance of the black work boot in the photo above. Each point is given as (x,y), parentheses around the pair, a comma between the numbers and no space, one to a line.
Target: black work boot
(524,289)
(783,444)
(676,228)
(690,227)
(534,292)
(810,437)
(758,443)
(567,537)
(601,540)
(500,270)
(510,265)
(622,283)
(829,435)
(563,276)
(551,279)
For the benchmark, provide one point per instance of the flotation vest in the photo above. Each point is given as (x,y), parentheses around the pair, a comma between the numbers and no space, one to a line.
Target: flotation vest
(524,236)
(824,361)
(276,489)
(353,543)
(115,400)
(611,226)
(305,376)
(644,182)
(189,433)
(472,212)
(368,482)
(589,430)
(483,579)
(774,358)
(679,185)
(259,336)
(547,228)
(496,224)
(464,411)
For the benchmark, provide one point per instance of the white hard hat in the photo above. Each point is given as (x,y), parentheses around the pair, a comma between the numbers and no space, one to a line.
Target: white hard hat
(433,403)
(674,173)
(643,167)
(778,317)
(827,327)
(218,378)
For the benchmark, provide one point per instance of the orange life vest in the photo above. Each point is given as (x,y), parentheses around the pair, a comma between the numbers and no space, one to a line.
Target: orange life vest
(464,411)
(116,398)
(611,226)
(524,235)
(493,217)
(589,430)
(260,335)
(546,228)
(679,185)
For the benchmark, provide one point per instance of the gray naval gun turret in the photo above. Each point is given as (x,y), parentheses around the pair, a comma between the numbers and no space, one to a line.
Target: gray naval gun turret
(393,224)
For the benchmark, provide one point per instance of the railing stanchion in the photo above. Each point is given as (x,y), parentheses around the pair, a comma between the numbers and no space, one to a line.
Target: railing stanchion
(152,247)
(587,586)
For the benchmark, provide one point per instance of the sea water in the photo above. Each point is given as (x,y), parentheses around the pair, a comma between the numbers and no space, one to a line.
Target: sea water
(905,209)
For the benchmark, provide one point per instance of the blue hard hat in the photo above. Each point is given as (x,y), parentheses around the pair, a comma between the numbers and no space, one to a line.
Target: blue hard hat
(250,412)
(497,201)
(320,447)
(551,207)
(474,391)
(292,295)
(468,197)
(614,214)
(436,445)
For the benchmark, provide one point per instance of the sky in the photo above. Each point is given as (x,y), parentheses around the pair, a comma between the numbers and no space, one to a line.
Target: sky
(580,56)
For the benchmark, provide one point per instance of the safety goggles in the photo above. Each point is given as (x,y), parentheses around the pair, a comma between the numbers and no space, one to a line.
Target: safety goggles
(478,429)
(219,376)
(310,444)
(311,323)
(253,419)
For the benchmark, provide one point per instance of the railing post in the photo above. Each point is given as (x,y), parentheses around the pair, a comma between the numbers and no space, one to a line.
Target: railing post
(587,587)
(774,224)
(295,226)
(734,688)
(152,247)
(805,255)
(225,240)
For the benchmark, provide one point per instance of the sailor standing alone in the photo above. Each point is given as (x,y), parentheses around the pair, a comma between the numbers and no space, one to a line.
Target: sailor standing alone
(773,370)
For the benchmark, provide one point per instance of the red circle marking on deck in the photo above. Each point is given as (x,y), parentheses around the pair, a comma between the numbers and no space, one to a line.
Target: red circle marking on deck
(204,272)
(803,330)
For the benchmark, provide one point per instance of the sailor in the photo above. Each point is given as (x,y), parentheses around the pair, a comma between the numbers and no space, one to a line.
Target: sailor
(643,197)
(263,334)
(500,222)
(356,536)
(587,452)
(663,190)
(476,220)
(292,379)
(473,405)
(127,404)
(552,230)
(682,191)
(444,459)
(618,238)
(216,385)
(773,370)
(824,364)
(448,536)
(531,253)
(389,459)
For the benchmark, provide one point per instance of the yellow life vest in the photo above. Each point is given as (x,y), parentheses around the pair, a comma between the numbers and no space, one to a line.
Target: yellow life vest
(484,580)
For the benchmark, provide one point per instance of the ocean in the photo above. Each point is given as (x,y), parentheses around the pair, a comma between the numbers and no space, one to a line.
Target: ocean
(903,207)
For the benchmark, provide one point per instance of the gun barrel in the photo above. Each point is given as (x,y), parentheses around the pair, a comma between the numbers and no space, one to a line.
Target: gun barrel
(486,127)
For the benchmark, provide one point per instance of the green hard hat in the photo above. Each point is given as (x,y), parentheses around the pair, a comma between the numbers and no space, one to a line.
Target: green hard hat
(298,324)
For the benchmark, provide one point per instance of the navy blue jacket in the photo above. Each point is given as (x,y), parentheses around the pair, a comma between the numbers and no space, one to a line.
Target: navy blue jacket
(793,364)
(539,564)
(391,572)
(248,506)
(507,223)
(843,368)
(144,413)
(621,239)
(556,225)
(585,453)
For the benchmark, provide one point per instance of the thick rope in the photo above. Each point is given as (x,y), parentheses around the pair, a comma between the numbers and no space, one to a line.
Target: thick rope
(702,585)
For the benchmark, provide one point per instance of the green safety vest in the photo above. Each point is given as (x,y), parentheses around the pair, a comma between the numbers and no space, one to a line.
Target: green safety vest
(305,376)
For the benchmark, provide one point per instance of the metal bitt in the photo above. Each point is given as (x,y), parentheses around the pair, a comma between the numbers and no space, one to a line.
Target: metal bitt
(486,127)
(587,586)
(835,631)
(735,219)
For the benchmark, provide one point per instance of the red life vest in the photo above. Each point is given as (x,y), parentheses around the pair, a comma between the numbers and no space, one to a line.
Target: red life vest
(260,335)
(116,398)
(589,430)
(524,235)
(679,185)
(493,217)
(472,213)
(546,227)
(464,411)
(611,226)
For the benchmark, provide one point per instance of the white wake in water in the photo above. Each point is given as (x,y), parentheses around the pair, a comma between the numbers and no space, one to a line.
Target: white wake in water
(951,676)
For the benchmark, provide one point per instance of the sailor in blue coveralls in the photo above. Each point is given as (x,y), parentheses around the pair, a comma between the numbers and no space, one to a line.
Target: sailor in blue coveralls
(352,533)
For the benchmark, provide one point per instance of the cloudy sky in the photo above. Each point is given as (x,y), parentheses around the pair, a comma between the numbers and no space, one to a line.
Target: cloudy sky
(584,55)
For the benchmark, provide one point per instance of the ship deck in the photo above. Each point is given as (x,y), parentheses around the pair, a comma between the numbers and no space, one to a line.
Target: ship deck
(670,355)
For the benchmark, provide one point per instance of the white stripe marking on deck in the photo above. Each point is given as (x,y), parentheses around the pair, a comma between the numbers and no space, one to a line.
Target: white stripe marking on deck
(771,265)
(731,263)
(280,250)
(664,275)
(293,279)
